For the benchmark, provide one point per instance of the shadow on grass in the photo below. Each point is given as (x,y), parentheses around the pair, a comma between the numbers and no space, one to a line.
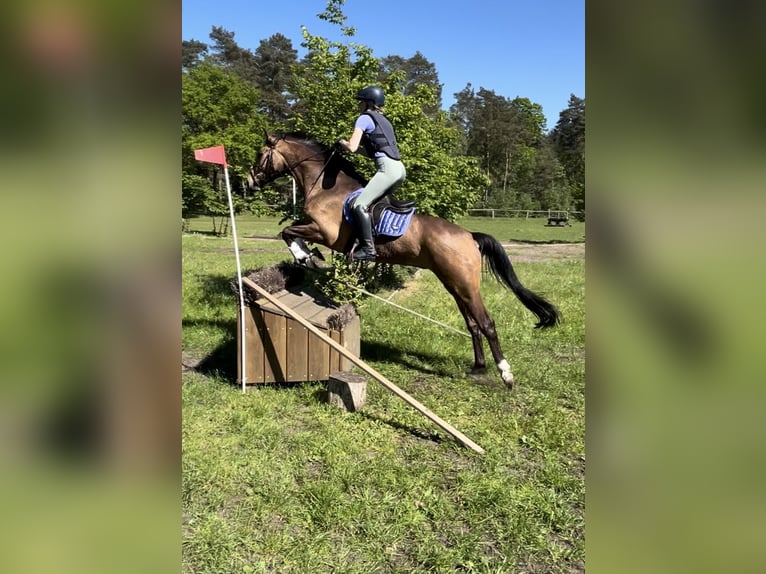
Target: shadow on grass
(423,363)
(222,361)
(548,241)
(416,432)
(202,232)
(218,289)
(321,396)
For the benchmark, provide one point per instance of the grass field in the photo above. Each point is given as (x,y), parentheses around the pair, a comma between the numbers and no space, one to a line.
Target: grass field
(275,480)
(505,229)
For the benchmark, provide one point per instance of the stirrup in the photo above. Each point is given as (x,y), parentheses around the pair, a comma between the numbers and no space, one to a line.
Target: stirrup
(363,258)
(363,254)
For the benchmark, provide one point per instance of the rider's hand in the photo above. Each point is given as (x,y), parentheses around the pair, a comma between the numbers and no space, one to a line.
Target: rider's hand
(340,145)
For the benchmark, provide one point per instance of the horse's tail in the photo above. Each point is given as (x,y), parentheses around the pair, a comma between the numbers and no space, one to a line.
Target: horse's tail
(500,266)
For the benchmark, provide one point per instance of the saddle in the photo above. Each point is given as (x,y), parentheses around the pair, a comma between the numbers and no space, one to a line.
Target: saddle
(390,216)
(403,206)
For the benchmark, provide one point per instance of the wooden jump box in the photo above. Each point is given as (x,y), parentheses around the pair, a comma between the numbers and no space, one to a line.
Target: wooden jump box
(279,349)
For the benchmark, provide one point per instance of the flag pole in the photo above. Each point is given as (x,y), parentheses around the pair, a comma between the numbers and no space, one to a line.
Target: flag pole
(217,155)
(294,208)
(239,278)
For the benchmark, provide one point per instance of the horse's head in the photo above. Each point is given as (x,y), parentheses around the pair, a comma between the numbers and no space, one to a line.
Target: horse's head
(269,163)
(291,153)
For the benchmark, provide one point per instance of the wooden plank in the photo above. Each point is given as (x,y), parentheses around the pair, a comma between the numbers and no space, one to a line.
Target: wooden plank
(275,347)
(297,351)
(254,348)
(318,358)
(350,339)
(305,307)
(320,317)
(260,340)
(422,409)
(291,299)
(334,355)
(267,305)
(317,316)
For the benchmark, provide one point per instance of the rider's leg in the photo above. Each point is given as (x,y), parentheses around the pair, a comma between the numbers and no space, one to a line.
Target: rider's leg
(365,250)
(390,173)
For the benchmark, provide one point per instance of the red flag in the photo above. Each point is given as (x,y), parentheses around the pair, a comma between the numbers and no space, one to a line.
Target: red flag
(211,155)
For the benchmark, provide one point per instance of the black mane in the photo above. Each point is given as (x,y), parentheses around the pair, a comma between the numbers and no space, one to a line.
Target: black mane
(300,137)
(339,161)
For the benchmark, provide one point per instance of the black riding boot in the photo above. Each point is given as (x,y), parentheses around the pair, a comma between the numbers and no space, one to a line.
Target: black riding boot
(365,250)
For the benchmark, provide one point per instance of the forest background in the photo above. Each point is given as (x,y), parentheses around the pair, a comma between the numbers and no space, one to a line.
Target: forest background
(485,151)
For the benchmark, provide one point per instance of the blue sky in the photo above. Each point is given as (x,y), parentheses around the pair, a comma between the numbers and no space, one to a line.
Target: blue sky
(532,48)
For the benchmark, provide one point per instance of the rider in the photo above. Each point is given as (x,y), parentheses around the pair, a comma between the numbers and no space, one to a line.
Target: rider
(376,135)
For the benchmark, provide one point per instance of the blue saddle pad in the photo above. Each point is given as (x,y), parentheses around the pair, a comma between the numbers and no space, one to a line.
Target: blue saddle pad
(388,223)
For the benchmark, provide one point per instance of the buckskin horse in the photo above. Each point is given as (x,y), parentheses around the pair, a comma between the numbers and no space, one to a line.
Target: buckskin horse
(452,253)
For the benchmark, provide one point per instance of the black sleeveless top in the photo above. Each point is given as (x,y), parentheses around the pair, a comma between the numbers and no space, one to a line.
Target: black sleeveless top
(382,138)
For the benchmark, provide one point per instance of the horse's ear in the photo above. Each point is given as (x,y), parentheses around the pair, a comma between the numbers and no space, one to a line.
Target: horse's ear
(271,139)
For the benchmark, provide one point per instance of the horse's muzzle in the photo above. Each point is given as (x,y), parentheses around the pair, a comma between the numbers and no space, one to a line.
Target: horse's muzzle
(254,181)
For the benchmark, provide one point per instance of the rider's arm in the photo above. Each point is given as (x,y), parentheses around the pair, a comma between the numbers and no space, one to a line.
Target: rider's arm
(352,144)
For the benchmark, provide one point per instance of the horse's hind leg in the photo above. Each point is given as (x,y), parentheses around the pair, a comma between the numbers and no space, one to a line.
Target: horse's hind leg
(462,277)
(479,362)
(487,325)
(476,314)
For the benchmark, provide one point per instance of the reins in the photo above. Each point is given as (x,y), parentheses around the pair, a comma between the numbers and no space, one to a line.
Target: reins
(321,171)
(291,167)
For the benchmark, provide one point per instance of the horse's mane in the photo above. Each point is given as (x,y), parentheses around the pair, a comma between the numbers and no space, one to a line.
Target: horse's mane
(339,161)
(308,141)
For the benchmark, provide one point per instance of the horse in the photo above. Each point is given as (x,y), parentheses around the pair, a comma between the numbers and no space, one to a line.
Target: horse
(455,255)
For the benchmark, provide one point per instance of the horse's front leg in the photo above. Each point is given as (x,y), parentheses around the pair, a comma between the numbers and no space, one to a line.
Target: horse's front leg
(296,236)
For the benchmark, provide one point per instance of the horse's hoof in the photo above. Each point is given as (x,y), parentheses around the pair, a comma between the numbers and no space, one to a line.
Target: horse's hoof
(317,254)
(477,370)
(505,373)
(315,264)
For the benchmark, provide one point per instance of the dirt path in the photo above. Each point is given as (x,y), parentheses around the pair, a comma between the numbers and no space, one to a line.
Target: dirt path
(540,252)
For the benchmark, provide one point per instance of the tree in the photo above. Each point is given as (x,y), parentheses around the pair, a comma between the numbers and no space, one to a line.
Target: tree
(275,59)
(548,183)
(443,182)
(227,54)
(418,70)
(568,139)
(506,137)
(218,108)
(195,189)
(191,52)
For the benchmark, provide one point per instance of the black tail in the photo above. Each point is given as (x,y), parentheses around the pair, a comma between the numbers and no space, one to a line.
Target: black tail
(501,268)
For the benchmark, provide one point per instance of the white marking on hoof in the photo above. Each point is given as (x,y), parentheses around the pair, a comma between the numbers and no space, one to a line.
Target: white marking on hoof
(298,249)
(505,372)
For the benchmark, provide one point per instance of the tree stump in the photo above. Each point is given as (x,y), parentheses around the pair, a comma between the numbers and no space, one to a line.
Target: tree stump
(347,390)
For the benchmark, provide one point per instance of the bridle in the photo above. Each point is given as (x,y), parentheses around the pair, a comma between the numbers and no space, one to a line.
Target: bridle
(291,167)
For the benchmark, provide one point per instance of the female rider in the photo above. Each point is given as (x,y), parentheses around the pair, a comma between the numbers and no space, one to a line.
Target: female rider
(374,136)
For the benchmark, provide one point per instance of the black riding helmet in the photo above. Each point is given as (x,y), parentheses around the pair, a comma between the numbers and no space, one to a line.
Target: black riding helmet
(372,93)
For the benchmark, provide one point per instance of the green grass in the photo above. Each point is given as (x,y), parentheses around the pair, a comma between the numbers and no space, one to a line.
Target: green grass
(504,229)
(527,230)
(275,480)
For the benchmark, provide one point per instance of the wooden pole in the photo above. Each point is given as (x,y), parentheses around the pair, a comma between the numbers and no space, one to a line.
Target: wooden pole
(422,409)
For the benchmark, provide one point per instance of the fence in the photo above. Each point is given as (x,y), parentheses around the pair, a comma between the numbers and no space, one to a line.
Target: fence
(525,213)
